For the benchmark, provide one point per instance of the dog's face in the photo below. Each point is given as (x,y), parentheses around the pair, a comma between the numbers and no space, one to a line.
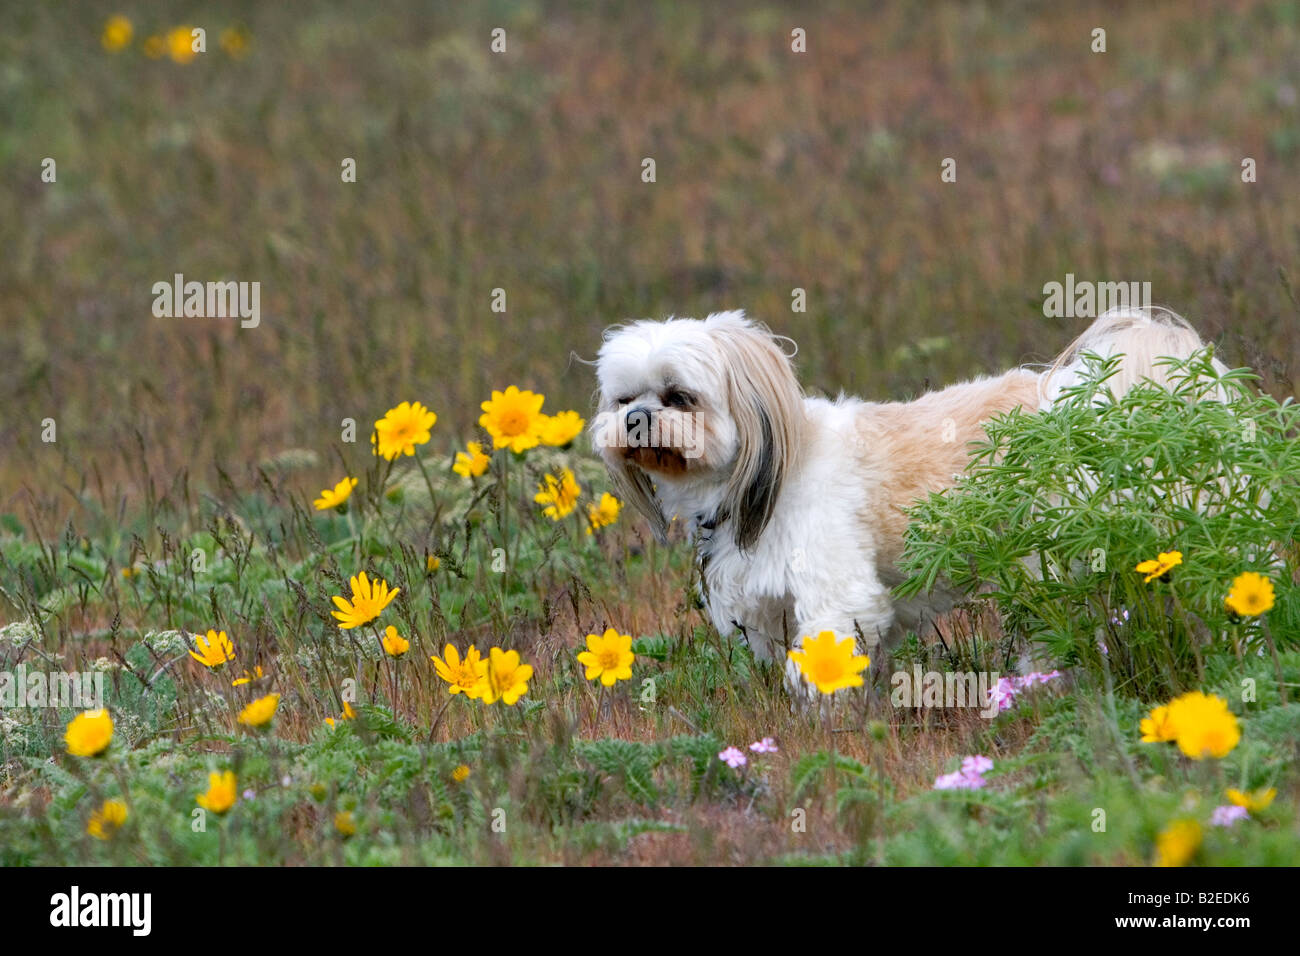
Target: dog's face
(709,404)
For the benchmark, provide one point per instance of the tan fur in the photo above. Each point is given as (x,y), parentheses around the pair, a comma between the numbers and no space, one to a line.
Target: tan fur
(910,438)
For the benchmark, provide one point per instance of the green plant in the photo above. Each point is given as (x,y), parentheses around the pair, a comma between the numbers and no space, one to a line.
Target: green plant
(1057,509)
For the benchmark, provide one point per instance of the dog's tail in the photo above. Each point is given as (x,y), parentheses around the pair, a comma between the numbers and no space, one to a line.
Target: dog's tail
(1141,335)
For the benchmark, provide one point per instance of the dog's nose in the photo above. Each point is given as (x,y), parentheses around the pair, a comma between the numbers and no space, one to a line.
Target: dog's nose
(637,421)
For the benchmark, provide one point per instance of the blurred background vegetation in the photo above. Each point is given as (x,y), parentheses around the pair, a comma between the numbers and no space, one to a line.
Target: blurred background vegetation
(522,171)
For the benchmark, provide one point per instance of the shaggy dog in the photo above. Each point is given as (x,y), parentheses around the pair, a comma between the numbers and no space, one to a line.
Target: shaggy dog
(796,503)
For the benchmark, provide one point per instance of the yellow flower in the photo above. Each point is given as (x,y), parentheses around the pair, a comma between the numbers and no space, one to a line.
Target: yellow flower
(368,600)
(559,495)
(468,676)
(221,795)
(472,464)
(89,733)
(180,44)
(1178,843)
(333,497)
(1255,801)
(1203,724)
(507,678)
(248,677)
(344,823)
(603,514)
(214,650)
(401,429)
(432,563)
(260,711)
(117,35)
(394,644)
(608,656)
(513,419)
(460,774)
(154,47)
(234,40)
(1164,562)
(828,664)
(559,430)
(105,821)
(1251,594)
(1156,728)
(348,714)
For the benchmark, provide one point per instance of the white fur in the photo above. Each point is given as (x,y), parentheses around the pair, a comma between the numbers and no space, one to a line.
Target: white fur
(825,558)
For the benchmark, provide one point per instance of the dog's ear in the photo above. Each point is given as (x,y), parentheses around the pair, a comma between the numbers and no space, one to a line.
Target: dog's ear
(635,488)
(767,408)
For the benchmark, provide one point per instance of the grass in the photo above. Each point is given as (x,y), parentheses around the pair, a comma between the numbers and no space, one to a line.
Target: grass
(188,449)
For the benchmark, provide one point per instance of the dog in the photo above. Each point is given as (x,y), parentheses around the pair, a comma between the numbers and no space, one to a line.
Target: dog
(796,503)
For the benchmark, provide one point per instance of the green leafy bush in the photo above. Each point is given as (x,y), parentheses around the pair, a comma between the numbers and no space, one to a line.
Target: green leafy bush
(1058,508)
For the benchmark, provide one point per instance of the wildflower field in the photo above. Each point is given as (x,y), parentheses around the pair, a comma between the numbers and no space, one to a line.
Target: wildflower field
(352,581)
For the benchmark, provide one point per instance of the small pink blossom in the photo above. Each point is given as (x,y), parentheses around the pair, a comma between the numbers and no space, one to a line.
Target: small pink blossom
(1003,693)
(976,766)
(958,781)
(765,746)
(1227,816)
(733,757)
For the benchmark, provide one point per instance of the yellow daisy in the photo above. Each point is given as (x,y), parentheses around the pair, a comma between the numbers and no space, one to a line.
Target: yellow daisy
(604,513)
(368,600)
(1251,595)
(180,44)
(1164,562)
(394,644)
(333,497)
(507,678)
(829,664)
(222,793)
(559,495)
(401,429)
(559,430)
(249,676)
(513,419)
(468,676)
(608,657)
(1156,728)
(117,34)
(89,733)
(1178,843)
(214,650)
(471,462)
(106,821)
(460,774)
(1203,724)
(1253,801)
(260,711)
(344,823)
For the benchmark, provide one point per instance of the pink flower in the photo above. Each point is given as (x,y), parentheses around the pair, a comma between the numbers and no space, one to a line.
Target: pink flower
(958,781)
(1003,693)
(733,757)
(1029,680)
(765,746)
(1227,816)
(976,766)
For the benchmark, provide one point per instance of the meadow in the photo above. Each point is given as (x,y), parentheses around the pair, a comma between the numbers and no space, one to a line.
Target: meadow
(498,222)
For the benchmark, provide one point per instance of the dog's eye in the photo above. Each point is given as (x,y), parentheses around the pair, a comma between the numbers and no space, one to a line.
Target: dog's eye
(625,401)
(677,399)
